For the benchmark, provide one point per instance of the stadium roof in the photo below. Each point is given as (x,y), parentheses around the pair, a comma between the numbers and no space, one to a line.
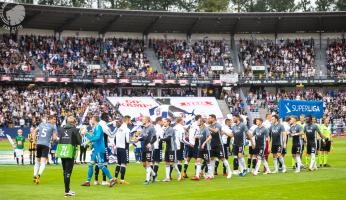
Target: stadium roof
(109,20)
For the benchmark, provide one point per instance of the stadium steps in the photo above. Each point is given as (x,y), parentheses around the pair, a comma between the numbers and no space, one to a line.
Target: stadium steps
(236,62)
(154,62)
(321,60)
(223,107)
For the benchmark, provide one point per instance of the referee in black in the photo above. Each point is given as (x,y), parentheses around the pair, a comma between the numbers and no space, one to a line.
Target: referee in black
(69,134)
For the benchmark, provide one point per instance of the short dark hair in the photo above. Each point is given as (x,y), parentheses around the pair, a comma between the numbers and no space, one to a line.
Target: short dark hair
(158,119)
(104,117)
(197,117)
(287,119)
(260,119)
(127,117)
(51,117)
(212,116)
(276,117)
(227,120)
(169,120)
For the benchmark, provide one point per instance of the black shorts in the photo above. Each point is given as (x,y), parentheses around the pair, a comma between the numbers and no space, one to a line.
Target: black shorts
(251,150)
(204,154)
(217,151)
(226,150)
(147,156)
(311,148)
(42,151)
(237,150)
(170,156)
(127,155)
(284,151)
(121,156)
(325,146)
(191,152)
(157,156)
(259,151)
(276,149)
(296,149)
(180,154)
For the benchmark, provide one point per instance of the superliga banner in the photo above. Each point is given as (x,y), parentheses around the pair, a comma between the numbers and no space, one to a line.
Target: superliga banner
(177,106)
(299,107)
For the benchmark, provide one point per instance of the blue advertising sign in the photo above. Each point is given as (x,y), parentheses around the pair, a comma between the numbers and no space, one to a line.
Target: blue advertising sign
(13,132)
(298,107)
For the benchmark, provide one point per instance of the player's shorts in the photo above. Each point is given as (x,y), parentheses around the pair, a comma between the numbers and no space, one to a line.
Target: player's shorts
(147,156)
(276,149)
(226,150)
(296,149)
(121,156)
(217,151)
(325,146)
(170,156)
(97,157)
(127,155)
(32,147)
(259,151)
(180,154)
(237,150)
(311,148)
(284,151)
(19,152)
(251,150)
(157,156)
(204,154)
(191,152)
(42,151)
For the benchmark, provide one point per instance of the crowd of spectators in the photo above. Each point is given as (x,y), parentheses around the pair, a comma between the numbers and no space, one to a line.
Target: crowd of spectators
(283,58)
(181,58)
(25,106)
(12,58)
(334,100)
(83,57)
(336,58)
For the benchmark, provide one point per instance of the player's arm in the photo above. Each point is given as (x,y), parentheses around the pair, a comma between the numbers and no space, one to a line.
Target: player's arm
(96,135)
(284,133)
(320,133)
(228,132)
(127,136)
(251,138)
(213,130)
(269,140)
(206,141)
(183,140)
(55,136)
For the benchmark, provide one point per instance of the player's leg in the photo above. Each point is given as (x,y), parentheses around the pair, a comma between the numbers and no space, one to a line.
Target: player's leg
(311,150)
(275,158)
(186,165)
(67,167)
(198,170)
(217,162)
(258,164)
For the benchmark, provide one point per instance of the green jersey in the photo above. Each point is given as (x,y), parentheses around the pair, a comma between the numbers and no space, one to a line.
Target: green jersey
(325,130)
(20,142)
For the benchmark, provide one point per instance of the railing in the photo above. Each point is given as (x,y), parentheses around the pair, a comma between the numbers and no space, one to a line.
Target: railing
(163,78)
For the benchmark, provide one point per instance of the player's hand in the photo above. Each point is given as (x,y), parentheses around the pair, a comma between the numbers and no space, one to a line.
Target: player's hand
(203,145)
(149,146)
(191,146)
(285,146)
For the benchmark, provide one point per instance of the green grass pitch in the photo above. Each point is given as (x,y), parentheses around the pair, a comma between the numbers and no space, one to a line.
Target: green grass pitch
(326,183)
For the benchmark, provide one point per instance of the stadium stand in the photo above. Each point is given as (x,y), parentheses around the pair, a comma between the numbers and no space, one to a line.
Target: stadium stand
(336,58)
